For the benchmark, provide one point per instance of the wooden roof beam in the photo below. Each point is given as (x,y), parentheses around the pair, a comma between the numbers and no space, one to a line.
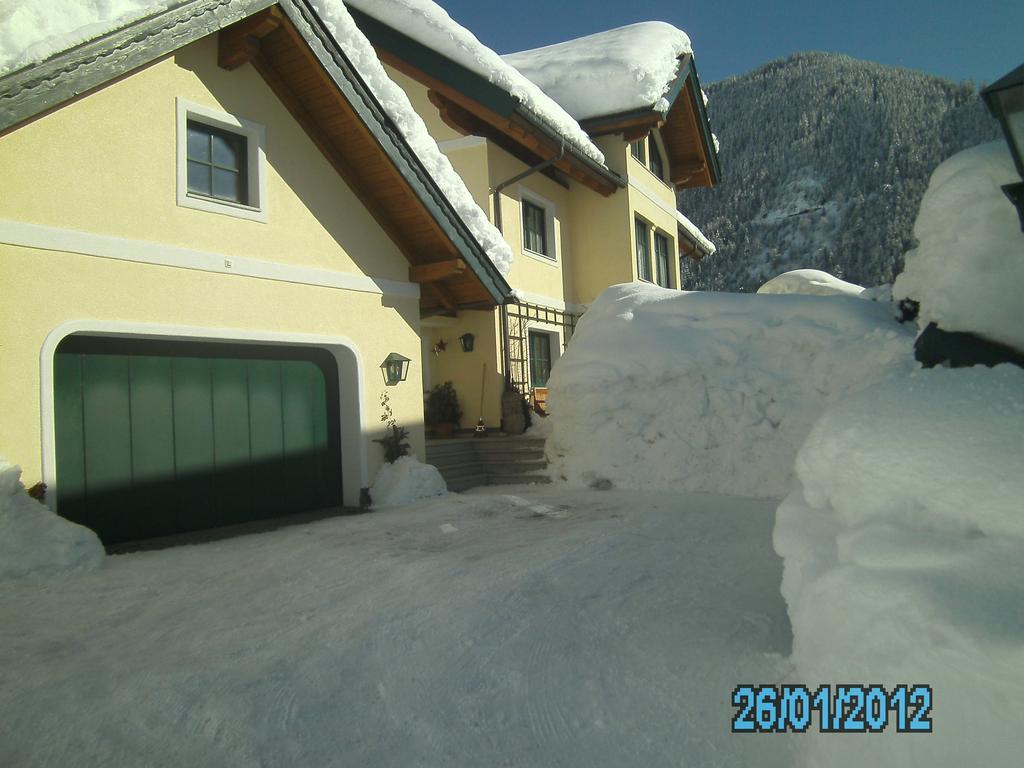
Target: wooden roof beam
(240,43)
(437,271)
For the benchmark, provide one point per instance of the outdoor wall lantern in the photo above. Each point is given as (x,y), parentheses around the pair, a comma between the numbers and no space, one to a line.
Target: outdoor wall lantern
(466,341)
(395,368)
(1005,100)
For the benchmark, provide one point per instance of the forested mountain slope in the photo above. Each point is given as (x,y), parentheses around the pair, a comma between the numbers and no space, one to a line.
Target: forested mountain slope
(825,159)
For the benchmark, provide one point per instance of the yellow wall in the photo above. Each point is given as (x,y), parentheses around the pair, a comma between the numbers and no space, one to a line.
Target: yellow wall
(106,165)
(122,140)
(465,370)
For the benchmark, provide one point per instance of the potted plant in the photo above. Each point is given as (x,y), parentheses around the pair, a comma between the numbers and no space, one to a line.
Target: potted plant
(442,410)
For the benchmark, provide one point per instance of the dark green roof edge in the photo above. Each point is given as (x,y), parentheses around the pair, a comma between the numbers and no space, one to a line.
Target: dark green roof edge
(435,64)
(465,81)
(30,91)
(702,117)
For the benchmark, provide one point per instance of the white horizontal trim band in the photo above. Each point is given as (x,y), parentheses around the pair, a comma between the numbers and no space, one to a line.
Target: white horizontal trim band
(547,301)
(143,252)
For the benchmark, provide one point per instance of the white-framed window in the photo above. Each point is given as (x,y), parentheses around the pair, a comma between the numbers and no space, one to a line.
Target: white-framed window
(544,347)
(656,163)
(220,162)
(663,260)
(538,225)
(642,230)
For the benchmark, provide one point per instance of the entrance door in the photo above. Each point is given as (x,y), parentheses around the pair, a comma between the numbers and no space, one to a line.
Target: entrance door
(162,437)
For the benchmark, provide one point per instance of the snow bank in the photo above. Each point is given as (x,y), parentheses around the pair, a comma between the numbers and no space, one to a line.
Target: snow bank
(968,268)
(405,481)
(427,23)
(903,543)
(619,70)
(810,282)
(34,30)
(709,392)
(36,542)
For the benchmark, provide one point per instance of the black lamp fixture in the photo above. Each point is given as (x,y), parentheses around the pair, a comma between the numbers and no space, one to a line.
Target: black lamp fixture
(1005,100)
(395,368)
(466,341)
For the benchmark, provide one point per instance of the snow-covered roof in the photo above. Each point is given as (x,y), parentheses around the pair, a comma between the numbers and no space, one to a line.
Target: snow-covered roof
(428,24)
(32,31)
(693,231)
(620,70)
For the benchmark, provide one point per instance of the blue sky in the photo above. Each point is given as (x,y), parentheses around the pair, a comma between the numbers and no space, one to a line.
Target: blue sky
(978,40)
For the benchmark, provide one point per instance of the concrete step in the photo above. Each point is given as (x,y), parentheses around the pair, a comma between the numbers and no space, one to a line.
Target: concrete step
(464,484)
(460,471)
(517,479)
(514,467)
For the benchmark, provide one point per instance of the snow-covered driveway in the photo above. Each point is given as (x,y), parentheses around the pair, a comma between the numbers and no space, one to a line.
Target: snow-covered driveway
(549,628)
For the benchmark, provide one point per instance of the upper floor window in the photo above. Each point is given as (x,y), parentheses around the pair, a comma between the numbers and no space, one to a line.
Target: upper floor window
(535,229)
(638,150)
(643,250)
(217,163)
(220,163)
(657,166)
(662,260)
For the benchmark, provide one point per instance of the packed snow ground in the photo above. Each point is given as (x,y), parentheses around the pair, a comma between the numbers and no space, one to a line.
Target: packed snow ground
(710,392)
(548,628)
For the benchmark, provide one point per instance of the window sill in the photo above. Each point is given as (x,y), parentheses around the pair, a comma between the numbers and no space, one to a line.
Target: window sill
(224,207)
(551,261)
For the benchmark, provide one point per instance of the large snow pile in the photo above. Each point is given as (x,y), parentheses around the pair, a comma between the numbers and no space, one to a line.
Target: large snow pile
(427,23)
(968,268)
(33,30)
(709,392)
(903,543)
(618,70)
(405,481)
(33,540)
(810,282)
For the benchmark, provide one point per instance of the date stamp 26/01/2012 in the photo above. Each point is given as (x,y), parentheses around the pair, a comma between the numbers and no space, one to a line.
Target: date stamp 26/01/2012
(852,708)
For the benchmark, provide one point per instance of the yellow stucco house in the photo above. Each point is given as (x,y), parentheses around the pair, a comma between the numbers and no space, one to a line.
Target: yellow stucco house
(581,179)
(212,234)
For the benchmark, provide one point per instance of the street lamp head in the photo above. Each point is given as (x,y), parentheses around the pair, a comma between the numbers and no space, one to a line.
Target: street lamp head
(1005,100)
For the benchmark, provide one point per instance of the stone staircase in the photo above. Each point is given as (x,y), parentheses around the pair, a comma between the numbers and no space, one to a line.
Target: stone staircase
(468,462)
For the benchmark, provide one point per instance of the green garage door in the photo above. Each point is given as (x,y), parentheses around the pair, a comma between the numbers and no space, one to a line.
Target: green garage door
(158,437)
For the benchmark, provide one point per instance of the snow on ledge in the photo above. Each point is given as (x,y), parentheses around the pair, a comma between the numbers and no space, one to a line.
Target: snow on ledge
(615,71)
(694,231)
